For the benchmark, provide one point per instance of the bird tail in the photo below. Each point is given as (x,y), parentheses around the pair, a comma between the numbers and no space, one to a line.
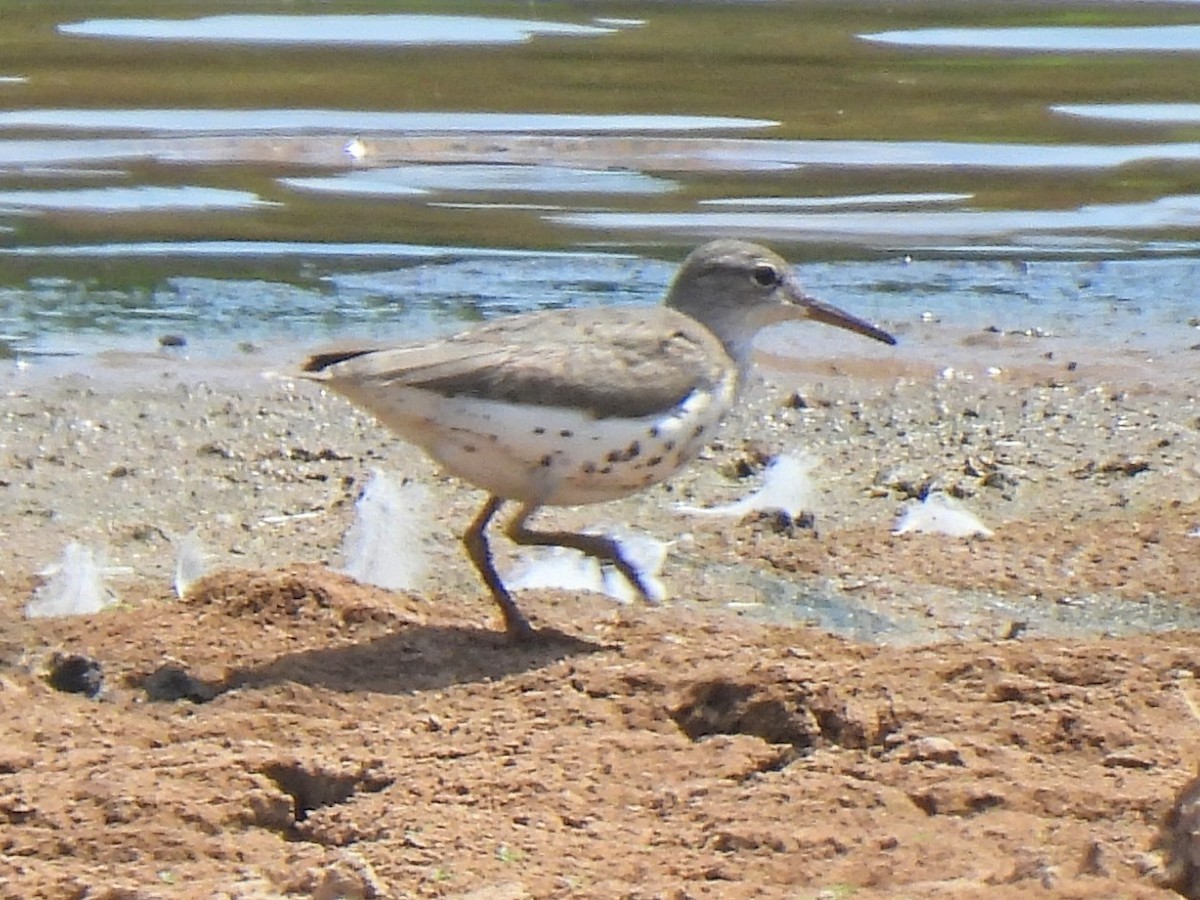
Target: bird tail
(318,362)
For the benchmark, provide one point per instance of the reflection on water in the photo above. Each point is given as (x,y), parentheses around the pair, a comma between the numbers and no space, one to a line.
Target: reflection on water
(1074,39)
(435,289)
(879,201)
(323,121)
(235,250)
(630,151)
(241,178)
(131,199)
(408,292)
(420,179)
(909,230)
(334,29)
(1148,113)
(940,154)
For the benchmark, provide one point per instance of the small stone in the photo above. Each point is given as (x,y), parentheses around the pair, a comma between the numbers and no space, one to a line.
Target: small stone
(350,878)
(934,749)
(1093,860)
(1127,759)
(513,890)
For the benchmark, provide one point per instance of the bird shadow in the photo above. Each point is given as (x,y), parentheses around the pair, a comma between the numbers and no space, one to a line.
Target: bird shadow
(417,658)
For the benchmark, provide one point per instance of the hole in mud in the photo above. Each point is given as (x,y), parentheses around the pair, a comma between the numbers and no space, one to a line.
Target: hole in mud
(781,712)
(312,789)
(169,683)
(75,674)
(725,707)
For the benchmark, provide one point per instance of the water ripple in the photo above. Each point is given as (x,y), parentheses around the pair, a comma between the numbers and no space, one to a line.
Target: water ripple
(375,30)
(1064,39)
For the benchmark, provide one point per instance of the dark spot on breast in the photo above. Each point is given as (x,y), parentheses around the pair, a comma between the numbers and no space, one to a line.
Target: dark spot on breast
(539,430)
(588,468)
(470,448)
(653,461)
(546,461)
(607,470)
(654,431)
(699,431)
(669,446)
(631,452)
(566,433)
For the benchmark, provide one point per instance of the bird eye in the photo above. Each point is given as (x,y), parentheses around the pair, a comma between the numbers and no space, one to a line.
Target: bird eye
(765,275)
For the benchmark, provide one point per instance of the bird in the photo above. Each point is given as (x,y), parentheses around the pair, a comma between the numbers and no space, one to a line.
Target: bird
(575,406)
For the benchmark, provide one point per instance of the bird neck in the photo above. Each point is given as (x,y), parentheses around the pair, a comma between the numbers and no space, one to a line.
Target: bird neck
(736,336)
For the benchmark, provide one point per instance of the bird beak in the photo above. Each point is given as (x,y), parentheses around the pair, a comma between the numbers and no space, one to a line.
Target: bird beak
(800,305)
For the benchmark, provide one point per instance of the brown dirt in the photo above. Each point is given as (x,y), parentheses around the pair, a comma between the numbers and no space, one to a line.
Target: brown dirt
(393,746)
(285,731)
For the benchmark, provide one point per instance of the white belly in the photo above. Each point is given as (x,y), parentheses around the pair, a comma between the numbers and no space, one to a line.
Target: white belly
(551,455)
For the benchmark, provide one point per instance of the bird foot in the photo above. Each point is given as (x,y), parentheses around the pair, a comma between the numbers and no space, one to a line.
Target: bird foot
(516,626)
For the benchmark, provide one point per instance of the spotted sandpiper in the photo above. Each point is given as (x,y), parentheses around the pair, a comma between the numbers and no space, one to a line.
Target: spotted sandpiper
(566,407)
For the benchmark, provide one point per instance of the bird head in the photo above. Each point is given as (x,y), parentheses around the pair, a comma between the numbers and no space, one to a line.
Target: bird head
(736,289)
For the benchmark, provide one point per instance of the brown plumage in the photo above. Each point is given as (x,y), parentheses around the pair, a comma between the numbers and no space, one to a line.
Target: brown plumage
(580,406)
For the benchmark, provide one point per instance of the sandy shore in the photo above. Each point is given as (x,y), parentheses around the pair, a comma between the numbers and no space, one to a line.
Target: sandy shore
(1086,470)
(395,743)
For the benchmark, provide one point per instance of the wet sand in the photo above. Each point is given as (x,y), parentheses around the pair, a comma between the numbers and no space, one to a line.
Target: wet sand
(1081,461)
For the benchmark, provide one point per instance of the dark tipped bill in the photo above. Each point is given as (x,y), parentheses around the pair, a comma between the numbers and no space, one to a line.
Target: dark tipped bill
(831,315)
(799,305)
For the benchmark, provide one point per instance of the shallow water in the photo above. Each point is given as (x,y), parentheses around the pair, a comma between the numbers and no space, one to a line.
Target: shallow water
(944,614)
(316,169)
(1065,39)
(340,30)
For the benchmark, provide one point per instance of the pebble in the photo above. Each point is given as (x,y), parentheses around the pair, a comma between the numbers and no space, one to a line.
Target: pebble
(933,749)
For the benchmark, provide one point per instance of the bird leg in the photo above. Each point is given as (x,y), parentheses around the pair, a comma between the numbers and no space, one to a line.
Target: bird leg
(480,553)
(597,546)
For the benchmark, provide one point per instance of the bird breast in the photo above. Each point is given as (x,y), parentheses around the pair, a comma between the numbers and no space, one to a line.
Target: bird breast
(559,455)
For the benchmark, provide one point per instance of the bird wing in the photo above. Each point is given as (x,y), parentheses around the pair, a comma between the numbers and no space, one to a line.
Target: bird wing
(609,362)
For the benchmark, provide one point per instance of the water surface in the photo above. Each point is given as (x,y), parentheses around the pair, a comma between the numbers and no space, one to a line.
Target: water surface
(357,29)
(308,169)
(1073,39)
